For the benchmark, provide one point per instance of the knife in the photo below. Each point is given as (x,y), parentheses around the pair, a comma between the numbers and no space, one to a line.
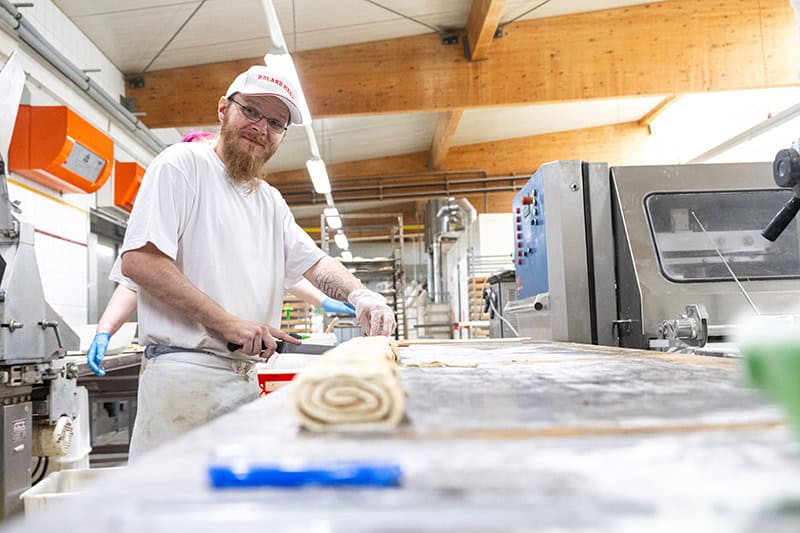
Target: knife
(288,347)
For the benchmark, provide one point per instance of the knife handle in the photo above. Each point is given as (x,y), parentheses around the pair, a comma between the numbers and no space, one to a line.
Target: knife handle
(233,346)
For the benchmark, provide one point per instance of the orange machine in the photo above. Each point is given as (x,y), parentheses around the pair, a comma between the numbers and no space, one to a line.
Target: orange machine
(55,147)
(127,179)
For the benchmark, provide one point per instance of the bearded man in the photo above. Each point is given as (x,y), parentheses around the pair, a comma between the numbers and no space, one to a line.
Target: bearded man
(211,246)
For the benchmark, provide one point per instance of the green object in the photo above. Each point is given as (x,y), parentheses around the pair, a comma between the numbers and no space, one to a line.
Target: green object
(774,367)
(287,311)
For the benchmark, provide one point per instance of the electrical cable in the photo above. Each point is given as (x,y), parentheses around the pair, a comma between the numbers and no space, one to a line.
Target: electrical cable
(534,8)
(35,471)
(44,470)
(169,41)
(434,28)
(496,312)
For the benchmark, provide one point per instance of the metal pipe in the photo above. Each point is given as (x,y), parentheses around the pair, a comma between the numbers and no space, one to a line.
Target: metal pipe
(436,271)
(411,185)
(426,173)
(285,190)
(30,36)
(426,194)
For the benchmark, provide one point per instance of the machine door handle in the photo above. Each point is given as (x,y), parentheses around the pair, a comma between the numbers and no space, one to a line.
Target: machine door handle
(782,219)
(44,324)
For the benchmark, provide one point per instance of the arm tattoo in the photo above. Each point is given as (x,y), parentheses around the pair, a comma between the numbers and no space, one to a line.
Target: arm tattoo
(332,284)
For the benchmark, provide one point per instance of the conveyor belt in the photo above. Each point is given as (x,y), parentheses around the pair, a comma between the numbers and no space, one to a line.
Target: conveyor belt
(522,436)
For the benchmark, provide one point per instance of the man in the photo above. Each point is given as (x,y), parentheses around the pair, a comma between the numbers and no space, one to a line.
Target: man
(211,247)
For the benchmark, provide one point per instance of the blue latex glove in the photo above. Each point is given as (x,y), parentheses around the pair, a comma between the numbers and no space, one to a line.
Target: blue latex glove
(96,352)
(340,308)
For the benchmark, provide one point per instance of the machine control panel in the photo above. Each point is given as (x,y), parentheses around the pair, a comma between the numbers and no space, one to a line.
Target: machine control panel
(530,255)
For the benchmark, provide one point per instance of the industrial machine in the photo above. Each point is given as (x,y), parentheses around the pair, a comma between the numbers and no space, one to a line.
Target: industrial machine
(646,257)
(500,289)
(37,387)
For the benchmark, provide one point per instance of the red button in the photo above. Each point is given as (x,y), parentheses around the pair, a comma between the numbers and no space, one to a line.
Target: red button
(519,245)
(516,210)
(519,254)
(527,200)
(519,261)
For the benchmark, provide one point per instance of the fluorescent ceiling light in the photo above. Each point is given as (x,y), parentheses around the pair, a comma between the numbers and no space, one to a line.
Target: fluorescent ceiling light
(319,175)
(334,222)
(332,217)
(347,255)
(341,241)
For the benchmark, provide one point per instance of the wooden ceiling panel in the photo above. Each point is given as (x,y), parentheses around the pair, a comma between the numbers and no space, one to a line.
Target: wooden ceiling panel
(673,47)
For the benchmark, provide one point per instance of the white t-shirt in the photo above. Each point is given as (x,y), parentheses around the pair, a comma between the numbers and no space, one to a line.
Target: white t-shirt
(116,275)
(240,248)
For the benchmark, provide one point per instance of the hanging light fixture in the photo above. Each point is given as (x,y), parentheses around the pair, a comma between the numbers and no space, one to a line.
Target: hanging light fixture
(319,175)
(332,217)
(341,240)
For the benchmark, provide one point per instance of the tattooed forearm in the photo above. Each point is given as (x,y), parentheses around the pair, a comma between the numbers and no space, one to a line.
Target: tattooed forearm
(333,284)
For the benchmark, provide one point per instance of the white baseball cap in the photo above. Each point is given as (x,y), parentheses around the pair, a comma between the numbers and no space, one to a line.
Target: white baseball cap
(260,80)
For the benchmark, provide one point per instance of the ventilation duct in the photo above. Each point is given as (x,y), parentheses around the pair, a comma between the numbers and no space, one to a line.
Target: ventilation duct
(445,218)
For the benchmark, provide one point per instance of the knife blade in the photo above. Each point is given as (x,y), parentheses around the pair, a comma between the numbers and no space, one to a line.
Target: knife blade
(288,347)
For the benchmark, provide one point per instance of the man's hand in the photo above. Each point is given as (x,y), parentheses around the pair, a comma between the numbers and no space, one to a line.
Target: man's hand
(96,352)
(255,338)
(282,335)
(340,308)
(374,316)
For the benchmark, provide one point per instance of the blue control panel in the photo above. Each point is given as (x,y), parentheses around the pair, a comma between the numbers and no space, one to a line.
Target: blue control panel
(530,246)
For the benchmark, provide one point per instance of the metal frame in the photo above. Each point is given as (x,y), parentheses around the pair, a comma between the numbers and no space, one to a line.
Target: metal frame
(396,231)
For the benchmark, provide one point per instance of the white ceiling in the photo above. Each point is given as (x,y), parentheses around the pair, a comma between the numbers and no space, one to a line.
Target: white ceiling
(131,33)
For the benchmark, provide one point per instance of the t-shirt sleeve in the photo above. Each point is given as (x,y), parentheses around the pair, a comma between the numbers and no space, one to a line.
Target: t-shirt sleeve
(300,251)
(162,207)
(116,276)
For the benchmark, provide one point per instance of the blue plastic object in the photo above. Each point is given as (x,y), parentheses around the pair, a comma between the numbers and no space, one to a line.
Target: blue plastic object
(96,352)
(340,308)
(236,474)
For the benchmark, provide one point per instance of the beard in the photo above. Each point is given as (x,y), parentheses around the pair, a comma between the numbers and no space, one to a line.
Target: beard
(244,166)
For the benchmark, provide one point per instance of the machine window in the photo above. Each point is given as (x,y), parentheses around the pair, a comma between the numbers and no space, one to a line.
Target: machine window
(734,220)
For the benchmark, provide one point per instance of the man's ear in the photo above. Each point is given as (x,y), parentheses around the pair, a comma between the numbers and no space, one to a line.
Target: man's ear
(222,105)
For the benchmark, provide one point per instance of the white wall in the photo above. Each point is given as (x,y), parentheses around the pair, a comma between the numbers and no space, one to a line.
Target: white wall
(493,234)
(60,243)
(61,221)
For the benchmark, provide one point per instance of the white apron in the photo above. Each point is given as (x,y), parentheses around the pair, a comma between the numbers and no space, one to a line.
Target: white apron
(184,390)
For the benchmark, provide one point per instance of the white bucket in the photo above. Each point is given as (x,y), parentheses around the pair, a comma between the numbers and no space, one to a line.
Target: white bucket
(61,487)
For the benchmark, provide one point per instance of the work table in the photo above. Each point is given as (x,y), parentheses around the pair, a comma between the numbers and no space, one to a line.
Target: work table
(499,436)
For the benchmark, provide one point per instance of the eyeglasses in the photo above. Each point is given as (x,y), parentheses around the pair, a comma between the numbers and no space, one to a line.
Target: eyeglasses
(274,125)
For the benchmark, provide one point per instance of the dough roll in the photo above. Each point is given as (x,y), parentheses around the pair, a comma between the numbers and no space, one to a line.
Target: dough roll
(353,387)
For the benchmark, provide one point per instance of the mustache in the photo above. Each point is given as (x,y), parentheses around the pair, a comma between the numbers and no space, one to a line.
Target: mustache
(260,142)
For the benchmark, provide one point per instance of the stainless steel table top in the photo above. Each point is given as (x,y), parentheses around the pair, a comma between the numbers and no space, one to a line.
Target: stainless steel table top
(500,437)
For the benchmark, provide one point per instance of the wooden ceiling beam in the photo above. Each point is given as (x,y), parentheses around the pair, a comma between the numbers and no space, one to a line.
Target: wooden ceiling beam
(446,128)
(660,107)
(484,17)
(673,47)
